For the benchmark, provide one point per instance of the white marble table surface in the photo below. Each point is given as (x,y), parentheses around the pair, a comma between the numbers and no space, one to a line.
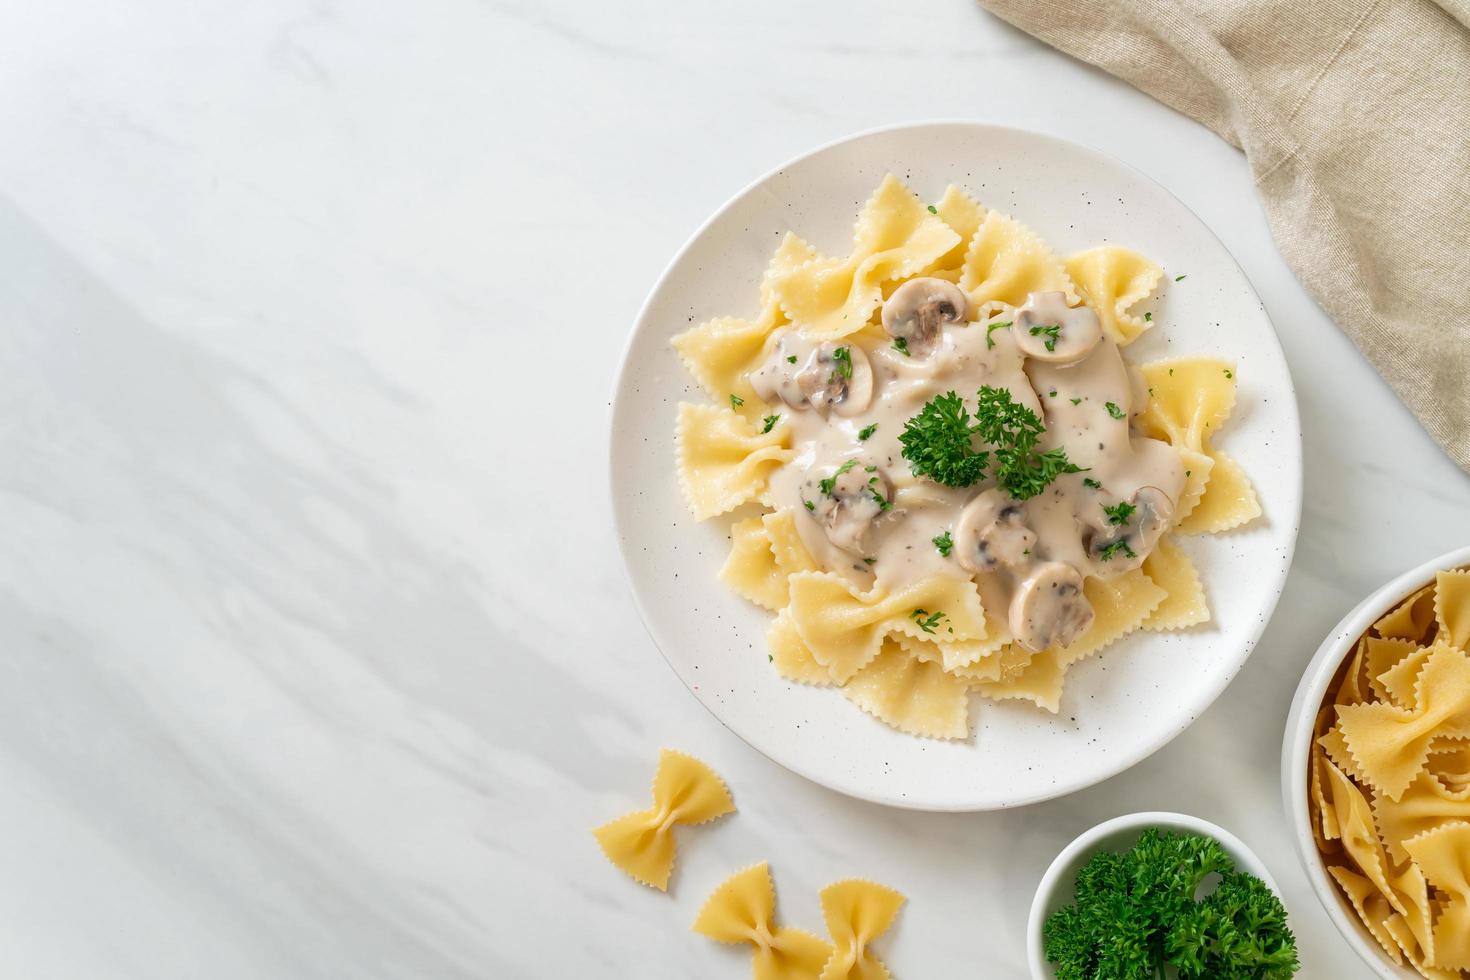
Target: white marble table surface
(317,657)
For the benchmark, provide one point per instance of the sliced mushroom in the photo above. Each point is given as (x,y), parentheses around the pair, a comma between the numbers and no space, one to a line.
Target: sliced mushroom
(1047,329)
(1116,548)
(992,532)
(847,501)
(837,379)
(1049,608)
(918,310)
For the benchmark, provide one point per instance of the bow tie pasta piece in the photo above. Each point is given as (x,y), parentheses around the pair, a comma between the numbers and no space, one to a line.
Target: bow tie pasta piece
(1112,280)
(844,627)
(1397,682)
(964,216)
(911,695)
(1336,748)
(1324,817)
(1191,398)
(1007,262)
(896,236)
(721,353)
(1354,688)
(1444,856)
(1452,607)
(1425,805)
(1405,890)
(1410,619)
(743,910)
(764,552)
(1168,567)
(1392,744)
(1372,908)
(793,659)
(724,460)
(856,913)
(685,791)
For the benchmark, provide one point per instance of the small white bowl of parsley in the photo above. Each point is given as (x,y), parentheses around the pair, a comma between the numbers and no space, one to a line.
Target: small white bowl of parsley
(1159,895)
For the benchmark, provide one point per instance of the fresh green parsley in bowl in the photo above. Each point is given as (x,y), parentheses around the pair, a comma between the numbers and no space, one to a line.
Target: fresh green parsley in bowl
(1152,895)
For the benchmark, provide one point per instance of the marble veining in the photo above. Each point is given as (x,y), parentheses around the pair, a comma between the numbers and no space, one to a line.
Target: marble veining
(318,659)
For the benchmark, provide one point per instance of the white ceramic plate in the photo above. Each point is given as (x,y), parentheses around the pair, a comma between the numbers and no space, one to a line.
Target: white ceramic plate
(1117,707)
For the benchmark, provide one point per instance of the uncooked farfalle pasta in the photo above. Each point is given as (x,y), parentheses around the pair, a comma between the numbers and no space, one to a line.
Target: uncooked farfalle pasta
(944,476)
(1390,779)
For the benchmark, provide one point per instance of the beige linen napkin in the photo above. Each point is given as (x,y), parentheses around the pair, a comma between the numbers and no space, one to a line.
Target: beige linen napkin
(1355,117)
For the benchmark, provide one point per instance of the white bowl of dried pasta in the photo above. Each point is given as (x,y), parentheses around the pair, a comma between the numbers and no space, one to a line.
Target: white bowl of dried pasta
(1375,773)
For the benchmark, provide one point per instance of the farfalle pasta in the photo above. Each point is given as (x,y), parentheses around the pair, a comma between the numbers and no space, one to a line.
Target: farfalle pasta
(685,791)
(743,910)
(1387,793)
(942,475)
(857,912)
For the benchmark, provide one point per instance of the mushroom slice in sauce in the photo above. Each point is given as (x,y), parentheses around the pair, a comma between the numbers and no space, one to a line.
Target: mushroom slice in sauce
(847,500)
(918,310)
(1121,548)
(1049,608)
(837,379)
(992,532)
(1047,329)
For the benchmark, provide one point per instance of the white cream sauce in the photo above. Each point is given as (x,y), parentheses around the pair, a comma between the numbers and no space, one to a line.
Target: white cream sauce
(875,522)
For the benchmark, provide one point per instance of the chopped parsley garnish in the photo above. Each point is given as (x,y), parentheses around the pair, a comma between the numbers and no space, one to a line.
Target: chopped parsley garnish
(902,346)
(827,485)
(1050,332)
(944,542)
(937,444)
(1171,372)
(882,501)
(1180,278)
(1229,374)
(870,469)
(1052,393)
(736,401)
(927,621)
(992,328)
(1014,431)
(809,505)
(1114,410)
(791,359)
(866,431)
(770,421)
(1119,513)
(1149,315)
(869,561)
(1109,550)
(1076,401)
(1088,481)
(842,357)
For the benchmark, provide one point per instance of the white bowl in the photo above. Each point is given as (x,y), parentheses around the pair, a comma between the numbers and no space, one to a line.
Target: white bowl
(1116,708)
(1296,749)
(1057,886)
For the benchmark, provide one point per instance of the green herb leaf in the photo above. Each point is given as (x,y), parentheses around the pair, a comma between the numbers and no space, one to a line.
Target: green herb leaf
(902,346)
(1088,481)
(1149,315)
(927,621)
(1014,431)
(992,328)
(883,502)
(791,359)
(770,421)
(867,431)
(937,443)
(1076,401)
(1114,410)
(944,542)
(809,505)
(830,482)
(1109,550)
(933,209)
(1119,513)
(736,401)
(1180,278)
(1229,374)
(842,357)
(1050,332)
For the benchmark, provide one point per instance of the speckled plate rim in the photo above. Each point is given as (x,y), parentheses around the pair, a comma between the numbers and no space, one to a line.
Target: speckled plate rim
(1287,508)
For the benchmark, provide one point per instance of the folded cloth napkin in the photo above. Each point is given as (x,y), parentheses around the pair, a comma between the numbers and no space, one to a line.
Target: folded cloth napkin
(1355,117)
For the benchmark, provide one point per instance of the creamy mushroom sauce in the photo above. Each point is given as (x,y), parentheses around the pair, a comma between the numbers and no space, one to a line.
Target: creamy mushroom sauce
(848,530)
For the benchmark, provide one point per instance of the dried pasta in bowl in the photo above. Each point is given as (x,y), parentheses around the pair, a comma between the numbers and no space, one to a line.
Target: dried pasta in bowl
(1388,792)
(944,476)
